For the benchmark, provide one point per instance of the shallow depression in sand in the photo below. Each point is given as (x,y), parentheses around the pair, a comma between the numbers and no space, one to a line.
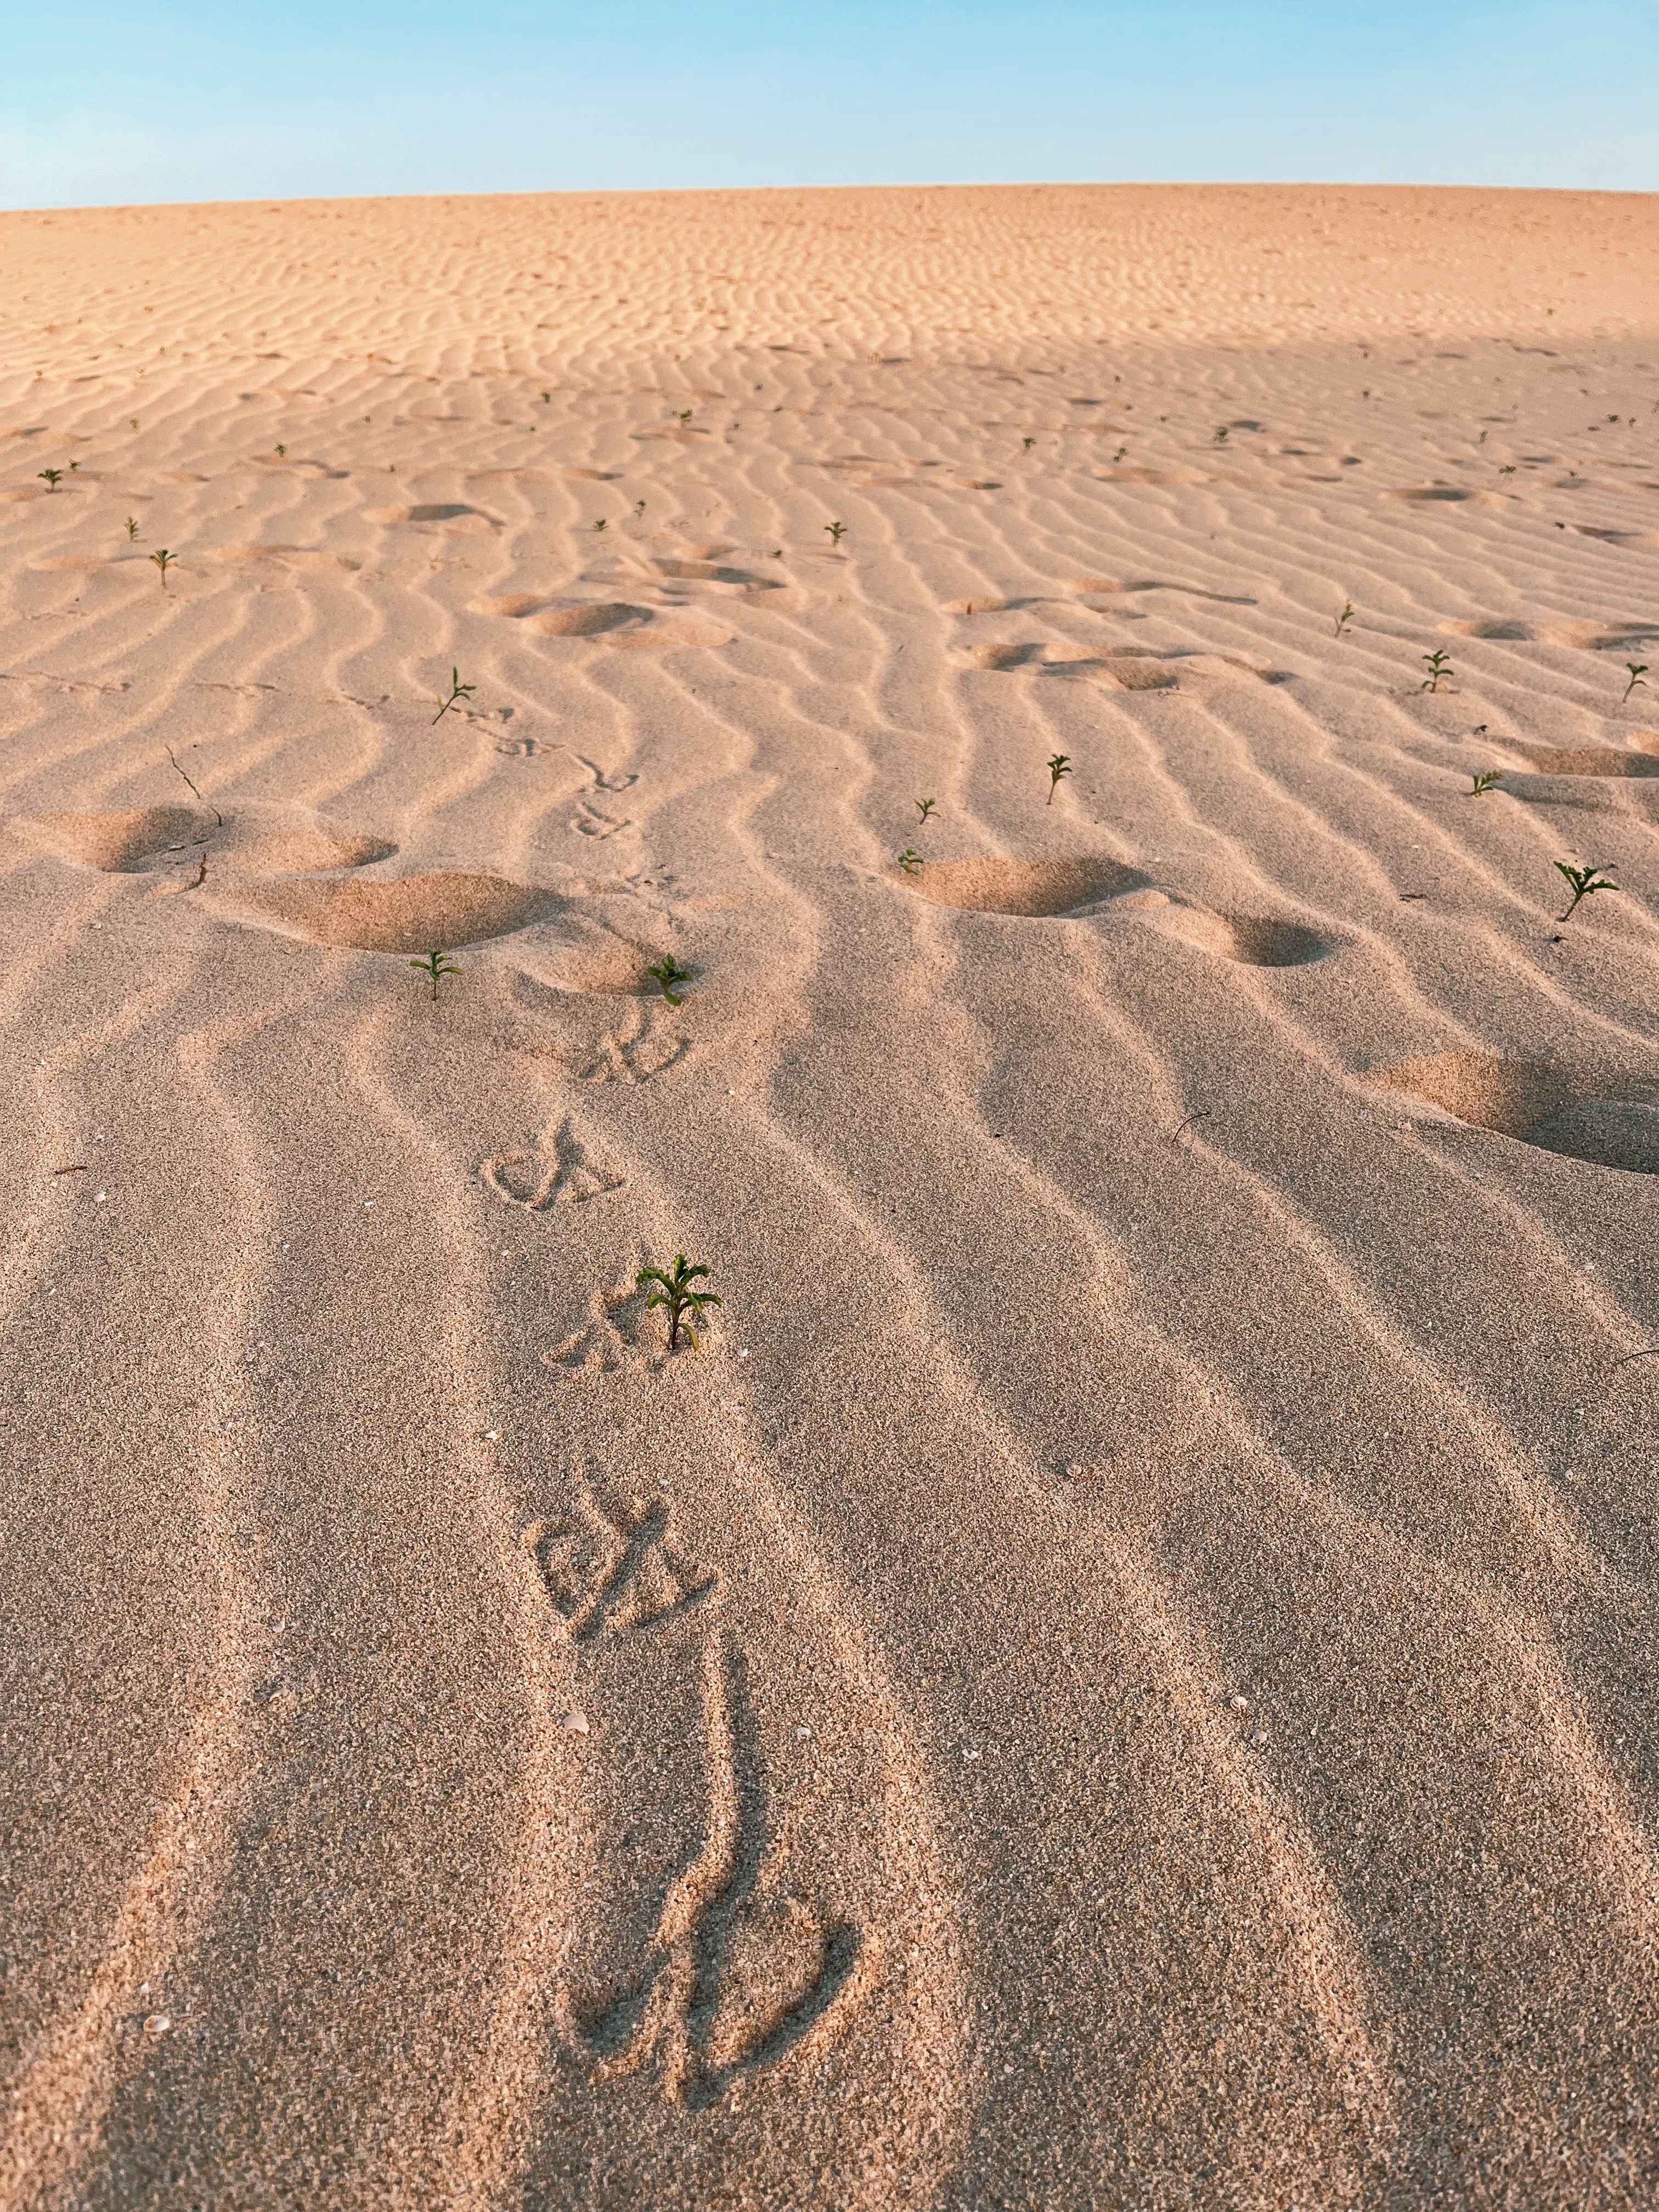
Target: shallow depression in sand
(1022,887)
(1538,1103)
(1252,941)
(119,843)
(1594,760)
(409,915)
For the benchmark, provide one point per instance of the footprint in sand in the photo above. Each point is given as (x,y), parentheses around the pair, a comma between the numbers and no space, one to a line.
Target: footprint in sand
(1022,887)
(615,1338)
(636,1055)
(589,822)
(534,1181)
(1608,1124)
(710,1954)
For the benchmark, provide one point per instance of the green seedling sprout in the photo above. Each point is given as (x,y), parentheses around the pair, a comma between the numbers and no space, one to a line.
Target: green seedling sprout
(1584,881)
(281,449)
(1508,469)
(1344,618)
(50,477)
(909,859)
(1059,765)
(1439,667)
(133,419)
(639,506)
(1637,669)
(925,807)
(434,966)
(132,527)
(599,525)
(458,692)
(1221,435)
(669,973)
(836,531)
(547,398)
(1027,443)
(674,1291)
(163,561)
(1485,780)
(1118,456)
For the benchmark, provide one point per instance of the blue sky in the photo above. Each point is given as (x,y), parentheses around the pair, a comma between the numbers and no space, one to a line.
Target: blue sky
(128,99)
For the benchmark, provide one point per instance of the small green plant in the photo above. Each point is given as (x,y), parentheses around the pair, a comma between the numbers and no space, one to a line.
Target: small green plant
(1059,765)
(925,807)
(1485,780)
(1508,469)
(1439,667)
(836,532)
(909,859)
(50,477)
(639,506)
(1637,669)
(163,561)
(1118,456)
(1221,435)
(671,974)
(599,525)
(1583,881)
(674,1291)
(132,527)
(1028,443)
(1482,439)
(1344,618)
(434,966)
(547,398)
(283,450)
(133,419)
(458,692)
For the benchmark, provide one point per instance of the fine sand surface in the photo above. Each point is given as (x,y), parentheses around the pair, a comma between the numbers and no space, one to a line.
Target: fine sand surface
(1123,1672)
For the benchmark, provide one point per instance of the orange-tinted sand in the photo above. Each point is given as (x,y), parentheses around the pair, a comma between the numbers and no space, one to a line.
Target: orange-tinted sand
(1121,1675)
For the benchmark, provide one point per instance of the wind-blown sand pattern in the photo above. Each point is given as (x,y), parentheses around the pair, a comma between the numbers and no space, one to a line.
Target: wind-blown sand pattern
(1122,1673)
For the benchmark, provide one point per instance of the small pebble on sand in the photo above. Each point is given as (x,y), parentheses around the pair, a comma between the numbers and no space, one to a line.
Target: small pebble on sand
(1240,1705)
(574,1723)
(157,2023)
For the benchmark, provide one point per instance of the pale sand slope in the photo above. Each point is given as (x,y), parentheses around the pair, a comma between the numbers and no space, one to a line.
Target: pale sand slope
(1123,1672)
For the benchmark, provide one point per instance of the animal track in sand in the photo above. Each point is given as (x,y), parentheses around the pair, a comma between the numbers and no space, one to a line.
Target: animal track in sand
(1253,941)
(737,1973)
(408,915)
(732,1970)
(608,1340)
(1537,1103)
(638,1055)
(534,1181)
(615,1575)
(1022,887)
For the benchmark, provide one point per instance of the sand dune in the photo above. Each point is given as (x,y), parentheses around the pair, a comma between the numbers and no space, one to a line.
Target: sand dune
(1121,1671)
